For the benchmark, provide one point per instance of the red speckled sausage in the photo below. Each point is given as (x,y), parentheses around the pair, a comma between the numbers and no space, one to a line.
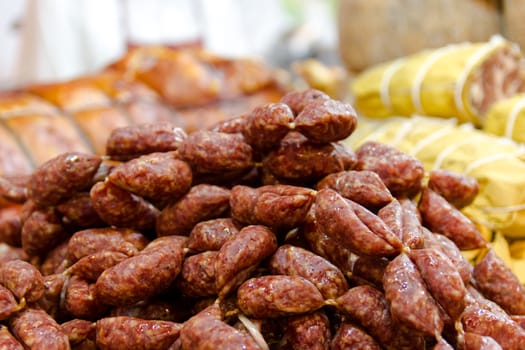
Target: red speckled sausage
(496,281)
(61,176)
(458,189)
(144,275)
(240,255)
(267,124)
(409,300)
(11,225)
(350,336)
(8,341)
(473,341)
(42,231)
(363,187)
(132,141)
(91,241)
(79,331)
(197,277)
(308,331)
(296,261)
(401,173)
(370,269)
(299,161)
(324,121)
(369,307)
(210,152)
(8,304)
(206,330)
(36,330)
(441,217)
(442,279)
(78,212)
(8,252)
(336,217)
(91,266)
(22,279)
(325,246)
(297,100)
(129,333)
(202,202)
(157,176)
(120,208)
(273,296)
(81,300)
(451,250)
(211,234)
(54,296)
(281,207)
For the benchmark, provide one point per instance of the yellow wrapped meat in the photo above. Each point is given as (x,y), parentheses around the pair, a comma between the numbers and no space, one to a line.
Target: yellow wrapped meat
(497,163)
(456,81)
(507,118)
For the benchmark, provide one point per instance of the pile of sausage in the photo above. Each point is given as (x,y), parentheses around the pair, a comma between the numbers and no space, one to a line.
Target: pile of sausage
(261,232)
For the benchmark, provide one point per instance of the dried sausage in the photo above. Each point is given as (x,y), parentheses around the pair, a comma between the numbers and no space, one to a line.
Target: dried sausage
(210,152)
(211,234)
(410,301)
(144,275)
(206,330)
(81,300)
(135,140)
(301,162)
(61,176)
(202,202)
(441,217)
(42,231)
(281,207)
(120,208)
(37,330)
(267,124)
(401,172)
(297,100)
(273,296)
(442,279)
(129,333)
(350,336)
(496,281)
(157,176)
(91,241)
(240,255)
(458,189)
(8,303)
(22,279)
(364,187)
(336,217)
(8,341)
(90,267)
(197,277)
(324,121)
(308,331)
(296,261)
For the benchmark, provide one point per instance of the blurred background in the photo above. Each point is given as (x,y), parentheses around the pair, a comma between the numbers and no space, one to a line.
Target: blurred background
(51,40)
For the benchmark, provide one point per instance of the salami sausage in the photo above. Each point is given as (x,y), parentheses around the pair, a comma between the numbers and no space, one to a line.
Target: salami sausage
(129,333)
(458,189)
(409,300)
(297,100)
(211,234)
(296,261)
(8,341)
(324,121)
(308,331)
(143,275)
(496,281)
(267,124)
(202,202)
(37,330)
(350,336)
(240,255)
(273,296)
(337,218)
(364,187)
(22,279)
